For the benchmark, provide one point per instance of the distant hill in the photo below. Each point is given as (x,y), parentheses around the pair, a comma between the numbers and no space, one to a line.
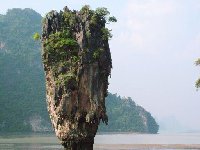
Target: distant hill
(22,84)
(126,116)
(22,96)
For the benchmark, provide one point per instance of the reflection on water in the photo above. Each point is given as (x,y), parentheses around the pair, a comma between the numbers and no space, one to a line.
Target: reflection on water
(105,141)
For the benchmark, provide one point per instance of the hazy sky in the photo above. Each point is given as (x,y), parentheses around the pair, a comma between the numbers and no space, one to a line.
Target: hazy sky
(153,49)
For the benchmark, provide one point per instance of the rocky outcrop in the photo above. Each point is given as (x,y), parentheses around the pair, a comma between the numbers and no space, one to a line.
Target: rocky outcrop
(77,64)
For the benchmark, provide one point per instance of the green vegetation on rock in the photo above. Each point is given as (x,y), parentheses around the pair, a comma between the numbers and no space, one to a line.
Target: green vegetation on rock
(36,36)
(60,45)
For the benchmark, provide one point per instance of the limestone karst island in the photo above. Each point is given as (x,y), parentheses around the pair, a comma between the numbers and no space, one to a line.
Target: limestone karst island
(77,63)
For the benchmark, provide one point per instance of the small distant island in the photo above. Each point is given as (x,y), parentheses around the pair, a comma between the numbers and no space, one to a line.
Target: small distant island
(22,83)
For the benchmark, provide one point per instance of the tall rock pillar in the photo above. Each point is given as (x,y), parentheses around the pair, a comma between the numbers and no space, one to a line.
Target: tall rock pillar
(77,64)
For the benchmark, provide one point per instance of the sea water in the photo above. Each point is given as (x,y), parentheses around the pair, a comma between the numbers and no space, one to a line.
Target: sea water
(102,141)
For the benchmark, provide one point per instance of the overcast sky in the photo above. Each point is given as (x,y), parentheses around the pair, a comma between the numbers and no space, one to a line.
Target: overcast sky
(154,47)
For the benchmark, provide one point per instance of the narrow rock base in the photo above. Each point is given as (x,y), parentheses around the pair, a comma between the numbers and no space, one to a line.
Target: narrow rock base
(83,145)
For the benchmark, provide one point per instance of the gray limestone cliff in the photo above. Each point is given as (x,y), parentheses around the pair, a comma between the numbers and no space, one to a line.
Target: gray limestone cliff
(77,63)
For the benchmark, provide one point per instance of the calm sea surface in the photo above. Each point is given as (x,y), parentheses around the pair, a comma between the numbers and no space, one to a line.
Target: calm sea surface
(105,141)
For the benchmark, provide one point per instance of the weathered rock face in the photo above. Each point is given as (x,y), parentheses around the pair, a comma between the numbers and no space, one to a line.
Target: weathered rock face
(77,64)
